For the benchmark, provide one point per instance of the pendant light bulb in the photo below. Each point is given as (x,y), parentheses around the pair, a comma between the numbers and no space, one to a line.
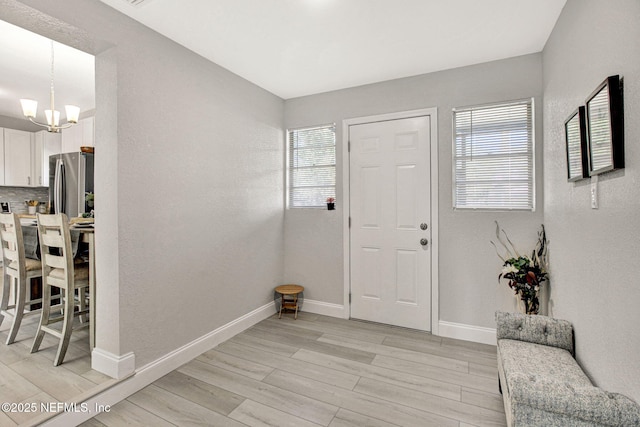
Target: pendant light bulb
(73,113)
(56,118)
(29,107)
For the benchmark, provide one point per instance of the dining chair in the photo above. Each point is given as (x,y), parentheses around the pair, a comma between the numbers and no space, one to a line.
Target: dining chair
(60,271)
(18,272)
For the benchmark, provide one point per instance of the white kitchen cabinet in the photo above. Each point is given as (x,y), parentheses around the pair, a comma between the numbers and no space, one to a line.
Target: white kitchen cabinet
(17,158)
(24,156)
(80,135)
(45,145)
(72,139)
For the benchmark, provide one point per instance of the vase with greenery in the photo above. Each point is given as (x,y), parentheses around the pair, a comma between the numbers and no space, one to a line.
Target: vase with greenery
(525,273)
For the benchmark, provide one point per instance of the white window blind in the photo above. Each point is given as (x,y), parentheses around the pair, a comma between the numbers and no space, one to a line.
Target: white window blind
(312,166)
(493,156)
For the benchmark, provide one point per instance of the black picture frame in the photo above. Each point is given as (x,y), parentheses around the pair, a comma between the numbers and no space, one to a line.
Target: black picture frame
(575,132)
(605,126)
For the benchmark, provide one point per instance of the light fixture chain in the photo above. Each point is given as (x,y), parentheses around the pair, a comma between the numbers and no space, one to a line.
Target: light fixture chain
(52,90)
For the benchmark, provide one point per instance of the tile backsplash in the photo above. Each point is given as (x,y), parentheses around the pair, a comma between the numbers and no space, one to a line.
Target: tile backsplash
(16,196)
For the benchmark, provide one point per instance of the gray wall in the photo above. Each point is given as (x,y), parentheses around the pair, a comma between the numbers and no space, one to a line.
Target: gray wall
(469,292)
(189,188)
(594,253)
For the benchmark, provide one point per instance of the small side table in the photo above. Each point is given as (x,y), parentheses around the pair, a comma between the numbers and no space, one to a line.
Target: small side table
(289,295)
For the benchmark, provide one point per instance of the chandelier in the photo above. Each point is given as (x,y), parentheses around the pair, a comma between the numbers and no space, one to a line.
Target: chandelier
(30,107)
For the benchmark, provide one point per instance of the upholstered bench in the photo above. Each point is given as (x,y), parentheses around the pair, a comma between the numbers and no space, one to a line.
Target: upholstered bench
(543,385)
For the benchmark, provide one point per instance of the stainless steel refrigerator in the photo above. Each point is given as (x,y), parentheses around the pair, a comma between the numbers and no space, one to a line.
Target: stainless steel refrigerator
(70,179)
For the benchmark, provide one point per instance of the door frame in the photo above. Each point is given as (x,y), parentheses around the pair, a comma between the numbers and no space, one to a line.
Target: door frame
(346,236)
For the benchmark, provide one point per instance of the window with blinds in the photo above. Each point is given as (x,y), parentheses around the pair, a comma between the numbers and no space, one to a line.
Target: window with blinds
(493,157)
(312,166)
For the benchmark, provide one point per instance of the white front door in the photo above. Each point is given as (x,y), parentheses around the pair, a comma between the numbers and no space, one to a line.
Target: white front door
(390,210)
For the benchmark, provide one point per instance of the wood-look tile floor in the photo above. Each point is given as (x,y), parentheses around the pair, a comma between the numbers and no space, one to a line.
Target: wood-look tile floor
(323,371)
(32,378)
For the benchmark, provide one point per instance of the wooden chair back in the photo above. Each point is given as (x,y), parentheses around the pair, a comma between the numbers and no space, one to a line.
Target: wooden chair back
(12,245)
(55,250)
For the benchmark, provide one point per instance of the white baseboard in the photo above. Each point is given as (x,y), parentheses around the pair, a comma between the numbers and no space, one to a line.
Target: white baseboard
(113,365)
(446,329)
(324,308)
(467,332)
(158,368)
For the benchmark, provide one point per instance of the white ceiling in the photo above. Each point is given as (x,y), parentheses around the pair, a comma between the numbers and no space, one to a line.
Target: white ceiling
(293,47)
(300,47)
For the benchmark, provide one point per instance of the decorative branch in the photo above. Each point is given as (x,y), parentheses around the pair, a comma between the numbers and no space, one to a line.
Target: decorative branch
(510,242)
(539,254)
(509,254)
(498,253)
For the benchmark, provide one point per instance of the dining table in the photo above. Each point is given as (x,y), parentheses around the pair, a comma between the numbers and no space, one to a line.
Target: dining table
(81,230)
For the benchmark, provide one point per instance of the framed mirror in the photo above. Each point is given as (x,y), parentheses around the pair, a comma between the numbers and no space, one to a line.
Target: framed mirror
(575,131)
(605,127)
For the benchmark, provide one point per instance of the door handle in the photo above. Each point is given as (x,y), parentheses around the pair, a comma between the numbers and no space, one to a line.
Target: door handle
(424,242)
(423,226)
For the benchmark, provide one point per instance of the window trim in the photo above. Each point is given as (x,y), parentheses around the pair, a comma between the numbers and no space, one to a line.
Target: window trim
(521,101)
(288,182)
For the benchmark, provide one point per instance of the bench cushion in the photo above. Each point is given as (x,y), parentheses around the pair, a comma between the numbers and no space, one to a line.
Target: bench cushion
(546,386)
(535,329)
(539,362)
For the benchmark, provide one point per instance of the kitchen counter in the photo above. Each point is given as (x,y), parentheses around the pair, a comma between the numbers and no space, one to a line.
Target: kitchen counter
(27,216)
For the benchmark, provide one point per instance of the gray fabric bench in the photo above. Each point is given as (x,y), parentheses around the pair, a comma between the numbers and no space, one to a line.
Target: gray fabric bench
(543,385)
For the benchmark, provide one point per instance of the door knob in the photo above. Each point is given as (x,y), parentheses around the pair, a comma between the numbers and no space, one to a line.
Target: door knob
(423,226)
(424,242)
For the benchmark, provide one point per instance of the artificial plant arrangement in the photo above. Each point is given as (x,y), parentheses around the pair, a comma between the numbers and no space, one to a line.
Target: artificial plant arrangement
(524,273)
(331,203)
(31,206)
(89,200)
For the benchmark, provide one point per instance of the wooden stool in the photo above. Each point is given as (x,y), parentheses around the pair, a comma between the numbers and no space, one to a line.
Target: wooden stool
(291,303)
(60,272)
(17,274)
